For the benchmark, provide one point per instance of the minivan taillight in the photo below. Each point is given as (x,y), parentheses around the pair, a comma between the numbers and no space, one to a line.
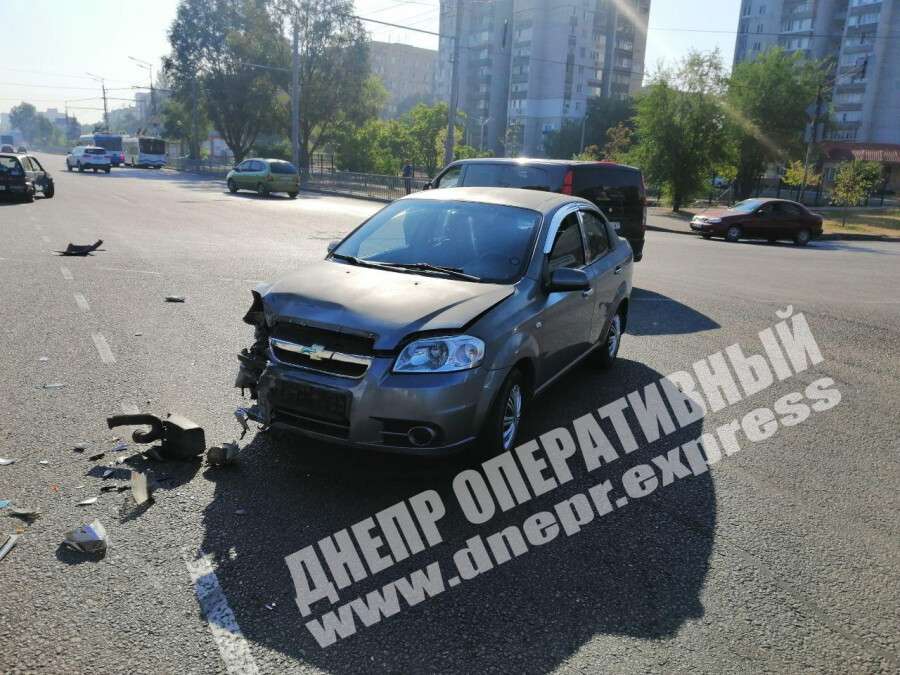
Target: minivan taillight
(567,182)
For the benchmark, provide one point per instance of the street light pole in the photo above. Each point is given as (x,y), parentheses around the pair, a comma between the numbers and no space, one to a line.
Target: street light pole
(295,93)
(454,88)
(148,66)
(105,107)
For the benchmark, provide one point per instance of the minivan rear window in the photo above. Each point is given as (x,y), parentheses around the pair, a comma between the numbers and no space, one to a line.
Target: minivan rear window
(282,167)
(95,151)
(506,175)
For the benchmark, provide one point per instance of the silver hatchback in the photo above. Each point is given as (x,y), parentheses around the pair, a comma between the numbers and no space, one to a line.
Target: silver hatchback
(430,326)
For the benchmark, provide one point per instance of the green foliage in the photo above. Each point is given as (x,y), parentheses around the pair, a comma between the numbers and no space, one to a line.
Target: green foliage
(766,105)
(618,140)
(272,148)
(469,152)
(591,153)
(36,128)
(427,128)
(602,114)
(855,181)
(679,127)
(794,173)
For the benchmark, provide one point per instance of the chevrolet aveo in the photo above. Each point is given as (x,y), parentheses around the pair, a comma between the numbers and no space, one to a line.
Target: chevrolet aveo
(430,327)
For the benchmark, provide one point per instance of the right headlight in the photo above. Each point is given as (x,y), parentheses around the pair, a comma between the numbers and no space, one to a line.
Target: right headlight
(440,355)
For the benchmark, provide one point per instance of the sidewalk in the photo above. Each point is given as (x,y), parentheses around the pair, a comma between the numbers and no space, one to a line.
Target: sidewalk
(661,219)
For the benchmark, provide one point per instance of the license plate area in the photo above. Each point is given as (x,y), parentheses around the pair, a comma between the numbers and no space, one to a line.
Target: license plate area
(309,400)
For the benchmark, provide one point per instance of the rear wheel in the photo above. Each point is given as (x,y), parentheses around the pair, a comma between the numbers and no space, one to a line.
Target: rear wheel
(262,190)
(49,191)
(80,167)
(501,428)
(68,166)
(604,357)
(232,186)
(29,195)
(802,237)
(292,195)
(706,236)
(733,233)
(108,169)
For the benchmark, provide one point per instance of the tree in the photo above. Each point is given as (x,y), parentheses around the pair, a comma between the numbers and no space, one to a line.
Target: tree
(618,140)
(22,117)
(854,182)
(766,105)
(229,48)
(427,128)
(795,173)
(602,114)
(591,153)
(679,126)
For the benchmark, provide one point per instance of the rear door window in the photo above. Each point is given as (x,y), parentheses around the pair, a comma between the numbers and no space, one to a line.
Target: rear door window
(568,249)
(595,234)
(506,175)
(282,167)
(617,191)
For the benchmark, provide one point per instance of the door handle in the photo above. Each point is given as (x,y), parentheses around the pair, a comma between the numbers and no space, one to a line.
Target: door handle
(618,269)
(588,293)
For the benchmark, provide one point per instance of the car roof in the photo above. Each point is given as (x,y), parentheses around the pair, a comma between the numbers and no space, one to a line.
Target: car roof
(538,161)
(771,200)
(536,200)
(268,159)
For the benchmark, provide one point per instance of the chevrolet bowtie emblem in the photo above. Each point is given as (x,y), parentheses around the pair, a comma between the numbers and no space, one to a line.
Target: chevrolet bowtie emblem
(316,352)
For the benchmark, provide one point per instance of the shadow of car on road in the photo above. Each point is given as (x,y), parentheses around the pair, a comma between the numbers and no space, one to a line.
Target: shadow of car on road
(637,571)
(653,313)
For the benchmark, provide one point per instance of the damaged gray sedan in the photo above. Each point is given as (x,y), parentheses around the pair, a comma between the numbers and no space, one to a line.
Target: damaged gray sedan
(431,326)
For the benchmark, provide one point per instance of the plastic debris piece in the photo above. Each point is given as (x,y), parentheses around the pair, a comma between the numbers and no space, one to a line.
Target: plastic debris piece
(107,473)
(44,462)
(140,489)
(6,462)
(8,545)
(240,512)
(81,447)
(121,445)
(138,334)
(109,488)
(4,503)
(53,385)
(94,458)
(270,606)
(174,298)
(24,512)
(121,459)
(241,416)
(87,502)
(43,359)
(225,454)
(81,249)
(54,487)
(90,538)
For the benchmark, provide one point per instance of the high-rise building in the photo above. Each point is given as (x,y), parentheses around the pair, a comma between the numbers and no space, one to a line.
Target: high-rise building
(406,72)
(860,36)
(526,66)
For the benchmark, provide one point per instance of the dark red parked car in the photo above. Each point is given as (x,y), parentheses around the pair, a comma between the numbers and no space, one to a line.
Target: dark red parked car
(770,219)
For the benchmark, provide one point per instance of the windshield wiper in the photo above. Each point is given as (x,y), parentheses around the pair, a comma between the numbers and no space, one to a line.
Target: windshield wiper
(455,272)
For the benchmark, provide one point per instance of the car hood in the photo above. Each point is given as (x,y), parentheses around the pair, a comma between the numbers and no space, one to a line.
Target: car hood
(721,213)
(388,305)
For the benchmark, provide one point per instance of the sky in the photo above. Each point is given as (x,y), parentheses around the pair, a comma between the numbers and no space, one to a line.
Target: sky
(64,40)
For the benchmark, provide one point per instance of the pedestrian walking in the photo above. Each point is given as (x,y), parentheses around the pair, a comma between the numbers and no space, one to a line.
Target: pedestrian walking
(407,175)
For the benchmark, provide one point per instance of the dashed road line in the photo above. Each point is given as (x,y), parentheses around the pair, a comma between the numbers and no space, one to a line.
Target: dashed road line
(67,274)
(125,269)
(103,349)
(223,625)
(82,302)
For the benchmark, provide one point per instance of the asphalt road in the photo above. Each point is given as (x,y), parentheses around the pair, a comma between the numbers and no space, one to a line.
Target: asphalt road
(785,557)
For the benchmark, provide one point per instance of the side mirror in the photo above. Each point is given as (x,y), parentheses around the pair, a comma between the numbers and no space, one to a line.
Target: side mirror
(565,279)
(333,244)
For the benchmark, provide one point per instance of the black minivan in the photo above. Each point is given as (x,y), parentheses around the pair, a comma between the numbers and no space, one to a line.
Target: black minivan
(618,190)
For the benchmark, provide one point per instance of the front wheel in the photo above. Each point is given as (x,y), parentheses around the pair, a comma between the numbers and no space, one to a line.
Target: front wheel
(501,428)
(604,357)
(107,169)
(232,186)
(68,166)
(733,233)
(706,236)
(802,238)
(80,167)
(292,195)
(262,190)
(49,191)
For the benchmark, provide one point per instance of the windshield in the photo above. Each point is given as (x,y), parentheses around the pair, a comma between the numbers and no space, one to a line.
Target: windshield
(487,241)
(747,205)
(152,146)
(108,142)
(9,166)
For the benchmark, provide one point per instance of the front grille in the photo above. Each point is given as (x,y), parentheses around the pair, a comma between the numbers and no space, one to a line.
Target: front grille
(345,343)
(321,350)
(310,423)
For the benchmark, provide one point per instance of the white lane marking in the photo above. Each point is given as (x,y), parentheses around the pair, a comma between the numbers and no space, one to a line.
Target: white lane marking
(125,269)
(103,349)
(130,408)
(45,238)
(223,625)
(82,302)
(67,274)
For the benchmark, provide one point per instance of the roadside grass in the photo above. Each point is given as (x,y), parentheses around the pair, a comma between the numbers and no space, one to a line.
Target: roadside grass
(883,222)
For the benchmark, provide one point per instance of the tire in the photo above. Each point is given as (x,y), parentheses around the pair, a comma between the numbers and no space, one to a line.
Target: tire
(605,356)
(232,186)
(733,233)
(293,195)
(262,190)
(706,236)
(29,196)
(68,166)
(79,167)
(108,169)
(501,427)
(802,237)
(95,169)
(49,191)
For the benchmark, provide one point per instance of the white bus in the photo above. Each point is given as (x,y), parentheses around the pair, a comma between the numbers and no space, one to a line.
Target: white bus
(142,151)
(112,143)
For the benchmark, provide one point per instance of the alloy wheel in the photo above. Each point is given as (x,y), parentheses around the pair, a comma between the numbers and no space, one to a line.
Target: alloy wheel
(512,414)
(615,333)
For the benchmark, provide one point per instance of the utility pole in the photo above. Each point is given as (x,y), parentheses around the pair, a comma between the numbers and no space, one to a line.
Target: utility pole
(295,93)
(105,107)
(195,145)
(454,87)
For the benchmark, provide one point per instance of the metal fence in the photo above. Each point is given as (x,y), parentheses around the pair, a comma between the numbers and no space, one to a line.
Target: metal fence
(211,165)
(368,185)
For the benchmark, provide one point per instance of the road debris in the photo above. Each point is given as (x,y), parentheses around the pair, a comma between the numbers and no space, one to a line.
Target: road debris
(120,446)
(81,447)
(6,462)
(270,606)
(43,462)
(221,455)
(51,385)
(81,249)
(43,359)
(243,415)
(107,472)
(140,489)
(174,298)
(4,503)
(8,545)
(179,437)
(24,512)
(121,459)
(87,502)
(89,538)
(240,512)
(94,458)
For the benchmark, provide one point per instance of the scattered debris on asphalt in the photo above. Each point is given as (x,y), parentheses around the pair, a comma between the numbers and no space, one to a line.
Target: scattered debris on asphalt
(81,249)
(8,544)
(107,472)
(120,446)
(4,503)
(110,488)
(81,447)
(140,489)
(43,462)
(90,538)
(51,385)
(121,459)
(24,512)
(138,334)
(94,458)
(43,359)
(179,437)
(87,502)
(243,415)
(174,298)
(221,455)
(6,462)
(270,606)
(240,512)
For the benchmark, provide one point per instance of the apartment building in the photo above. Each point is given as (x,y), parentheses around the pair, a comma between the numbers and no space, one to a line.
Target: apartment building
(406,72)
(526,66)
(860,36)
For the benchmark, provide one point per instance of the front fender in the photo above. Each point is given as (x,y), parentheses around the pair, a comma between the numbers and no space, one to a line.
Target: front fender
(520,345)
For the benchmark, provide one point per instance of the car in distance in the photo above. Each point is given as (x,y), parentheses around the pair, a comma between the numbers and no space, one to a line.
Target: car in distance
(85,157)
(23,176)
(7,148)
(22,149)
(770,219)
(264,176)
(428,328)
(617,190)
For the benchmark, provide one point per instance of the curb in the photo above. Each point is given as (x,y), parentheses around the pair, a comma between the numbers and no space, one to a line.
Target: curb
(824,237)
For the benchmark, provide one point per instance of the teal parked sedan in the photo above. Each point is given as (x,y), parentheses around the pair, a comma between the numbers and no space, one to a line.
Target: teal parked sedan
(264,176)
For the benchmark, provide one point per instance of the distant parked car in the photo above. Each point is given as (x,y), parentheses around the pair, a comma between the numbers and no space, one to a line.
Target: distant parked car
(770,219)
(88,157)
(264,176)
(22,148)
(616,189)
(7,148)
(22,176)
